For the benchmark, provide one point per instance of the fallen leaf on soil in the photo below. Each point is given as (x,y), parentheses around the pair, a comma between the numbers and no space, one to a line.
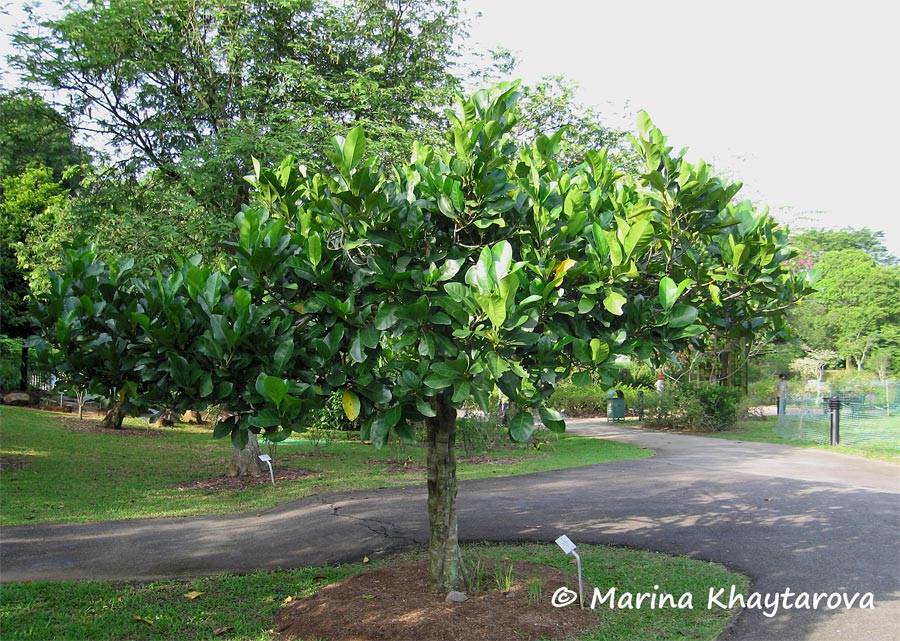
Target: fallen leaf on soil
(288,599)
(220,631)
(365,559)
(193,594)
(142,619)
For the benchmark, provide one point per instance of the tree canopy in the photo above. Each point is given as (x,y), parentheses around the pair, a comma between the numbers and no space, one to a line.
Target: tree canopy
(419,289)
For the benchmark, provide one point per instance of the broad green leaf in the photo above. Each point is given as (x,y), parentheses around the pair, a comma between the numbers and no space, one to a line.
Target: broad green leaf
(668,292)
(613,303)
(382,424)
(386,317)
(521,426)
(552,419)
(357,353)
(581,379)
(599,350)
(283,354)
(354,147)
(682,315)
(314,248)
(271,388)
(206,385)
(424,407)
(351,404)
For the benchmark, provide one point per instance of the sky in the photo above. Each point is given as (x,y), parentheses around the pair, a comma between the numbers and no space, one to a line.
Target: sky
(793,98)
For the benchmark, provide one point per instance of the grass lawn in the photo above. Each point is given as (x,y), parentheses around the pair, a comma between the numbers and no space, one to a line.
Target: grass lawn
(764,431)
(243,607)
(61,475)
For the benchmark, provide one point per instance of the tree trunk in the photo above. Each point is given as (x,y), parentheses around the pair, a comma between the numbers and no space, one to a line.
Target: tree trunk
(23,369)
(245,462)
(116,412)
(444,556)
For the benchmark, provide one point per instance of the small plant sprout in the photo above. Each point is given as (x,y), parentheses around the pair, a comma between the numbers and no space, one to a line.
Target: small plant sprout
(535,589)
(503,577)
(477,577)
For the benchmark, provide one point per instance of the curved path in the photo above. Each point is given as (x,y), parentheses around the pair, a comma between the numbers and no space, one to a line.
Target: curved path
(793,518)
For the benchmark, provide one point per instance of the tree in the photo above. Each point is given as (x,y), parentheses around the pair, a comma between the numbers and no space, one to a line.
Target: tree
(192,88)
(418,289)
(88,327)
(493,266)
(35,134)
(33,225)
(37,162)
(816,242)
(813,364)
(855,307)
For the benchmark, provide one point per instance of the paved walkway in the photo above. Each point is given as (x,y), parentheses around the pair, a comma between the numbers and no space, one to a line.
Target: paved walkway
(804,519)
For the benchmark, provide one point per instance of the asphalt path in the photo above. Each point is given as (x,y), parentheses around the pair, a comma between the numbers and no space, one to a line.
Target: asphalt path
(804,519)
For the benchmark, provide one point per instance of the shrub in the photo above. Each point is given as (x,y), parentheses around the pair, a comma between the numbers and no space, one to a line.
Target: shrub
(701,406)
(590,400)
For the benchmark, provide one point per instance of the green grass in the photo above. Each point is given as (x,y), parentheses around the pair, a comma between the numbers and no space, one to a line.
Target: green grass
(763,431)
(246,605)
(74,476)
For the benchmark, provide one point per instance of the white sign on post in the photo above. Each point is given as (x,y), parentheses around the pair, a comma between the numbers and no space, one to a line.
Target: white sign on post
(565,544)
(265,458)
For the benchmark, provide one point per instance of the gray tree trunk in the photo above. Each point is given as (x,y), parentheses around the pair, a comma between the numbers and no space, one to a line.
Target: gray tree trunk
(116,412)
(445,560)
(245,462)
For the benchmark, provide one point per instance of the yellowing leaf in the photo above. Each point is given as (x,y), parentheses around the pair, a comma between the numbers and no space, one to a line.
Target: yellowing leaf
(141,619)
(288,599)
(193,594)
(350,401)
(562,268)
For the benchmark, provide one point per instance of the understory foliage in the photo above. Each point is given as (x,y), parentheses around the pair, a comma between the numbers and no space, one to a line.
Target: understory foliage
(695,406)
(416,289)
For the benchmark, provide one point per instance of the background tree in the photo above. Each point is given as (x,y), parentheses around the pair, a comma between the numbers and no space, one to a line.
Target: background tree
(35,134)
(38,168)
(88,322)
(855,308)
(192,89)
(816,242)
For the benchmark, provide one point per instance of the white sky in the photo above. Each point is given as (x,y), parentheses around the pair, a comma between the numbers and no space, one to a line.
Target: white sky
(794,98)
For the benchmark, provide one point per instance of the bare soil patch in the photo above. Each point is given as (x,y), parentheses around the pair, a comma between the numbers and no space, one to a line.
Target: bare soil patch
(396,603)
(87,425)
(11,463)
(220,483)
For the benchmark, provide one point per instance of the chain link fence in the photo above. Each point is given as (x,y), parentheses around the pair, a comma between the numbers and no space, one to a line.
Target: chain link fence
(870,415)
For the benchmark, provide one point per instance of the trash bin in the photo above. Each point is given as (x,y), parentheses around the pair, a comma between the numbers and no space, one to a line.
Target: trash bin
(615,405)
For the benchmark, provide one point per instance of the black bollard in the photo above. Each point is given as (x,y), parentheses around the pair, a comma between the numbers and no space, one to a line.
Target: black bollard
(834,404)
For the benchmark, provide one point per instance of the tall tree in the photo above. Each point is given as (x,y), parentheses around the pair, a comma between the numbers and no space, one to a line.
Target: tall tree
(194,88)
(38,161)
(815,242)
(35,134)
(855,308)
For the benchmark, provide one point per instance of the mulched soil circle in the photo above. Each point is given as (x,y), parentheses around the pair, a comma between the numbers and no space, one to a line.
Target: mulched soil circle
(396,603)
(219,483)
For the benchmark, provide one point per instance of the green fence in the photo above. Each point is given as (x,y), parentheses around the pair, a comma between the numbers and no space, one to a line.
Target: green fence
(870,415)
